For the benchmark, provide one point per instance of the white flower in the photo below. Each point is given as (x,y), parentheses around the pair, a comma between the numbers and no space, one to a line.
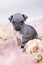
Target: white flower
(33,46)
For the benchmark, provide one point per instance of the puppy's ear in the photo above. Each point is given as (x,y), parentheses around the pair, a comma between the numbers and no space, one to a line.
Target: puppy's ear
(25,17)
(10,18)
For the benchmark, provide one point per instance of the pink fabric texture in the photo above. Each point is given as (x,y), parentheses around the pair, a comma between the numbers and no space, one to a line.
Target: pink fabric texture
(11,55)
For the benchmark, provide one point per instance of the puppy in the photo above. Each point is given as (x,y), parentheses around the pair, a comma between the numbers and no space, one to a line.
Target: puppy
(27,31)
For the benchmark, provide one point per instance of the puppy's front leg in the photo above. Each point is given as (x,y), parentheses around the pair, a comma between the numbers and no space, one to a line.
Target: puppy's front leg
(24,40)
(19,42)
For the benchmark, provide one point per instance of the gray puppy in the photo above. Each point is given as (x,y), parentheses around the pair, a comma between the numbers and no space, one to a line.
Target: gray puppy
(28,32)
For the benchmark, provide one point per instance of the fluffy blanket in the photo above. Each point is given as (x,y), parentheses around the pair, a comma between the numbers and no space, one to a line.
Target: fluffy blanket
(11,54)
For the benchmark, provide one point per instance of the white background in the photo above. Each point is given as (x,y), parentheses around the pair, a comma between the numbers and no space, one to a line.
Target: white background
(32,8)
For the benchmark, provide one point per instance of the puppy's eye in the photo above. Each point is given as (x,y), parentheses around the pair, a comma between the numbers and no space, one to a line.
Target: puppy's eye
(22,22)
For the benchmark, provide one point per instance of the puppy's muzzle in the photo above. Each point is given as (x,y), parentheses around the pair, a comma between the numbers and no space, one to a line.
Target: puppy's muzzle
(17,28)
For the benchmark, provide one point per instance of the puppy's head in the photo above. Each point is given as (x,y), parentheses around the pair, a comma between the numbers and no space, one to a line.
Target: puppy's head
(18,21)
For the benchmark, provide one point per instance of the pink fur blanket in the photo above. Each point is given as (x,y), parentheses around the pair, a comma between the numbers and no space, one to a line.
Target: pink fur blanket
(11,55)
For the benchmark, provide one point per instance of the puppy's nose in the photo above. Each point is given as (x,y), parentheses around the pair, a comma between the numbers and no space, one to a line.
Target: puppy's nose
(17,28)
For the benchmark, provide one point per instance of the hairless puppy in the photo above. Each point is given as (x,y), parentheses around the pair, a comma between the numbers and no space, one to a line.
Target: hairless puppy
(27,31)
